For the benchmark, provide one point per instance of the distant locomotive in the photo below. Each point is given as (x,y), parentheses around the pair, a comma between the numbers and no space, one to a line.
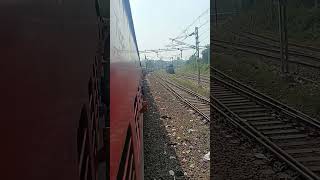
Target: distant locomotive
(170,69)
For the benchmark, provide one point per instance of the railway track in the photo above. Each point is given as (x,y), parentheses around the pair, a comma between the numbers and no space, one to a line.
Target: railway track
(273,40)
(268,47)
(289,134)
(270,53)
(197,102)
(204,79)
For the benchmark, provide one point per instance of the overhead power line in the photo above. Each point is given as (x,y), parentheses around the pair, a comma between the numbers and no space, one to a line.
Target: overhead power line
(185,30)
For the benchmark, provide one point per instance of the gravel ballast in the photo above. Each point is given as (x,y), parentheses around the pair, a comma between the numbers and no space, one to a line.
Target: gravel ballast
(175,138)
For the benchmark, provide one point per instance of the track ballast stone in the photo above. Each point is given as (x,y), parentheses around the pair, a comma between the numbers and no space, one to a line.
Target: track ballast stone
(174,137)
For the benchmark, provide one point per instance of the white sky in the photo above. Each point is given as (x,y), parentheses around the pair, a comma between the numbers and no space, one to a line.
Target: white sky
(156,21)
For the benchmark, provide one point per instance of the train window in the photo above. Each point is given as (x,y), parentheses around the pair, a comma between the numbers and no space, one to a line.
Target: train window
(103,8)
(135,103)
(127,158)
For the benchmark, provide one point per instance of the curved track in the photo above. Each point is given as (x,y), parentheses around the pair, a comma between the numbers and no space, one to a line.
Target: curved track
(288,133)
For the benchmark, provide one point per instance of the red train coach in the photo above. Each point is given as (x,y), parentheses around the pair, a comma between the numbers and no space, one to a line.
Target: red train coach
(55,62)
(53,95)
(126,102)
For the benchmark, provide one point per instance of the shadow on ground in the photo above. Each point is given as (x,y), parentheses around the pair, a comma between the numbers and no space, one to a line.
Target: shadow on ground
(159,153)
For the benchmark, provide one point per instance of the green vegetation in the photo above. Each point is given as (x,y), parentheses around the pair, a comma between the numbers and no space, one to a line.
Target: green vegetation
(192,85)
(193,69)
(191,65)
(266,79)
(261,16)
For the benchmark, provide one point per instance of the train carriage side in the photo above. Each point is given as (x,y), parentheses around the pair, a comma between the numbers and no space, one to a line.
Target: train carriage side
(126,157)
(50,69)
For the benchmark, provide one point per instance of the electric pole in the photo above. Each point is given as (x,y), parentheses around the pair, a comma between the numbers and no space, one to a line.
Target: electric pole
(172,61)
(145,58)
(208,54)
(283,36)
(197,53)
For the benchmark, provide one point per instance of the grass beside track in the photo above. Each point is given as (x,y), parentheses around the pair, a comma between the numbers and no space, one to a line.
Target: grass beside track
(192,69)
(188,84)
(192,85)
(266,79)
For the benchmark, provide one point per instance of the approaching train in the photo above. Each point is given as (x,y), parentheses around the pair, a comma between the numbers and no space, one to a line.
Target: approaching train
(56,57)
(170,69)
(126,102)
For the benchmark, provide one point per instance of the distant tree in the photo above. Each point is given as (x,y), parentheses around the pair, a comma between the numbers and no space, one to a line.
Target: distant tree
(191,60)
(205,58)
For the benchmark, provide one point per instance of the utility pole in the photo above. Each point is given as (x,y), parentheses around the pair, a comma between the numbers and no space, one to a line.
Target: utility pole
(197,53)
(216,12)
(208,54)
(283,36)
(145,58)
(172,61)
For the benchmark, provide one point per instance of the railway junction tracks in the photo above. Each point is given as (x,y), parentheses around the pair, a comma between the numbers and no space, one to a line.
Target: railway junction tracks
(289,134)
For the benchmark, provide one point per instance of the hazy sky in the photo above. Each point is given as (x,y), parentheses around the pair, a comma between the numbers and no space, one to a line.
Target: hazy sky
(156,21)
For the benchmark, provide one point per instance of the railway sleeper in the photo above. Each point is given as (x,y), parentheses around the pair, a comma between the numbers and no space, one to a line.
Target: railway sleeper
(308,159)
(245,107)
(294,145)
(238,111)
(279,126)
(226,95)
(195,101)
(281,131)
(266,123)
(227,102)
(204,110)
(203,104)
(260,119)
(315,169)
(239,98)
(289,137)
(254,115)
(222,92)
(239,104)
(304,150)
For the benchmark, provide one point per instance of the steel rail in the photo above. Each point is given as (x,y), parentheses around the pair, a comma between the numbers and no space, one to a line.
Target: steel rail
(290,43)
(291,52)
(256,133)
(265,141)
(262,139)
(265,55)
(167,86)
(264,98)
